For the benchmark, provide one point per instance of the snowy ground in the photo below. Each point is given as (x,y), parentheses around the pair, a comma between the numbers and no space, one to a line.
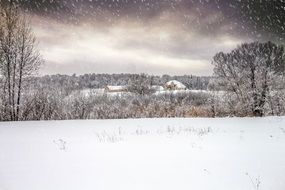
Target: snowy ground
(101,92)
(145,154)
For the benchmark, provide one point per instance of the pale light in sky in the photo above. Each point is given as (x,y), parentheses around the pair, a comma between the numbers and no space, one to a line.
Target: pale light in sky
(154,37)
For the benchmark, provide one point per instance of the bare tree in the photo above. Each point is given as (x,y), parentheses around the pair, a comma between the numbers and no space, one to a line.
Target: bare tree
(19,58)
(140,84)
(250,74)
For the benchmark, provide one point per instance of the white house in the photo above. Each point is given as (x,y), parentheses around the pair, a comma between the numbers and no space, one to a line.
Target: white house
(175,85)
(116,89)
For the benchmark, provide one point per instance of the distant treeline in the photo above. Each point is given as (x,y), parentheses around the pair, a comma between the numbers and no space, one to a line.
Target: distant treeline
(74,82)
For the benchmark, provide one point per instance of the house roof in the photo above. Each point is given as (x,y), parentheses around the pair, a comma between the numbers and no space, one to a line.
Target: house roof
(176,84)
(156,87)
(116,88)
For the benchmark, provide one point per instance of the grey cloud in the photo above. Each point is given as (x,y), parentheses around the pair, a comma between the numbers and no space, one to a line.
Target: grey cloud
(146,36)
(259,20)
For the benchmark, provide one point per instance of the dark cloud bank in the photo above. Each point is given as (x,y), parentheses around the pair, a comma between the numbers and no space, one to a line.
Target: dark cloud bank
(154,36)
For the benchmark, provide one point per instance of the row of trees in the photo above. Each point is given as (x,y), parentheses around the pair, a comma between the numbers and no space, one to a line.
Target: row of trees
(53,104)
(92,81)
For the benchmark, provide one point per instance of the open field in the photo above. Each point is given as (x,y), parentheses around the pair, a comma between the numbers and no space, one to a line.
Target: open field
(166,154)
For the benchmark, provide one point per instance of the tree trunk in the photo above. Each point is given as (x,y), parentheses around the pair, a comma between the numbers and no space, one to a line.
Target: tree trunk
(13,89)
(19,92)
(255,109)
(20,77)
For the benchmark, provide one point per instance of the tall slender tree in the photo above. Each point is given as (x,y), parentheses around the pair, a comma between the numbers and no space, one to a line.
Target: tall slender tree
(19,58)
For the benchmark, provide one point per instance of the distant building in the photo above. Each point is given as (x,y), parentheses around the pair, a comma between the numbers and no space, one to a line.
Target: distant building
(174,85)
(157,88)
(116,89)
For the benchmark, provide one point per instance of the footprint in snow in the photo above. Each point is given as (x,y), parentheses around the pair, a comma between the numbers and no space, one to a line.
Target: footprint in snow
(61,144)
(207,171)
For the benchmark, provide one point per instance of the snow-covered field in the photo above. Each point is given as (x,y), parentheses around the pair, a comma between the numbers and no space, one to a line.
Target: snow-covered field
(144,154)
(101,92)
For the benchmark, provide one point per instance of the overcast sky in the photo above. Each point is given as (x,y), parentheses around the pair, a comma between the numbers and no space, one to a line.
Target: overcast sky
(173,37)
